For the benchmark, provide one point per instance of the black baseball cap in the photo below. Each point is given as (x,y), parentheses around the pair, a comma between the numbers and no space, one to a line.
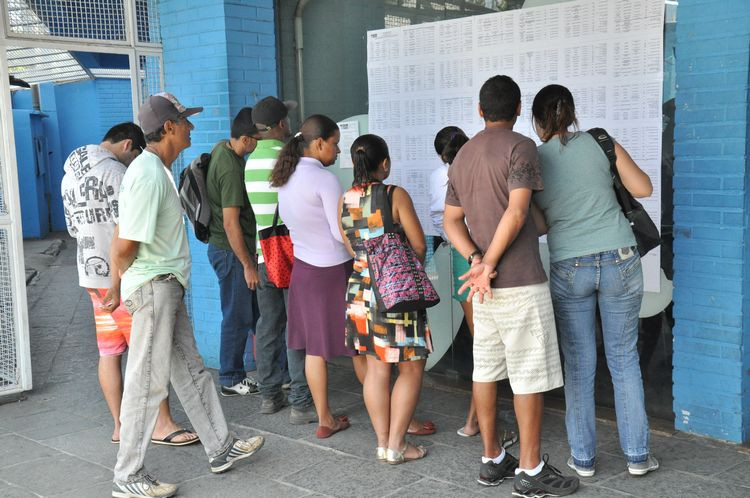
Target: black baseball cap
(270,111)
(160,108)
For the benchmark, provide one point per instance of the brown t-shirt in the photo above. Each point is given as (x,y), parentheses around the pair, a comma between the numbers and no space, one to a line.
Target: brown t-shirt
(480,179)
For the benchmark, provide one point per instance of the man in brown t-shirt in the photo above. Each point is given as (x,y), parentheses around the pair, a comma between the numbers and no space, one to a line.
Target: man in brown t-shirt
(487,220)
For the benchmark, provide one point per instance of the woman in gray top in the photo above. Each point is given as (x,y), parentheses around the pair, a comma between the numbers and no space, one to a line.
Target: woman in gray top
(593,261)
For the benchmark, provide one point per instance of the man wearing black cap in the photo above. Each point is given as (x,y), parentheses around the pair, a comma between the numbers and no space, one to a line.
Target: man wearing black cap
(152,253)
(270,116)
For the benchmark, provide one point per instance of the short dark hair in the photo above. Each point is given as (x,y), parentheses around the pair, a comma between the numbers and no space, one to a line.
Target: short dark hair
(242,125)
(155,136)
(126,131)
(499,98)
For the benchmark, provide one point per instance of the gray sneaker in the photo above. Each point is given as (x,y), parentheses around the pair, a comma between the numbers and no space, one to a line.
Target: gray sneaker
(272,405)
(581,471)
(643,468)
(240,449)
(302,416)
(242,388)
(143,487)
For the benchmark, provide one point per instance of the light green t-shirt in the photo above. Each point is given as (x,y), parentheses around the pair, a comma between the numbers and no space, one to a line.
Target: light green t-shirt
(578,200)
(263,197)
(151,214)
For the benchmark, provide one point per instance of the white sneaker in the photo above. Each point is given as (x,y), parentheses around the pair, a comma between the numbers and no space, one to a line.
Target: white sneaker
(143,487)
(643,468)
(244,387)
(240,449)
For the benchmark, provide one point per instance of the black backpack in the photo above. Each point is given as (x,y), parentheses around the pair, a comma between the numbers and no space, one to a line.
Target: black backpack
(194,196)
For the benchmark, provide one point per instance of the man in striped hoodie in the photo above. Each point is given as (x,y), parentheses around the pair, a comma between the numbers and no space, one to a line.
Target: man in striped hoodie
(270,116)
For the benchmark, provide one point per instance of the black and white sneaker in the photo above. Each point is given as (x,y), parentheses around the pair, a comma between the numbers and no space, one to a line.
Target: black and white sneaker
(242,388)
(240,449)
(493,474)
(548,482)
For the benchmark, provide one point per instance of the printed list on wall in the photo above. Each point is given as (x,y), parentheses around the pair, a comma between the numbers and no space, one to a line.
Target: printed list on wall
(609,54)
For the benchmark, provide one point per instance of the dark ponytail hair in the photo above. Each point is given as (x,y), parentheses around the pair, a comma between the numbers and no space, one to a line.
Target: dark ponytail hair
(368,151)
(554,112)
(448,142)
(314,127)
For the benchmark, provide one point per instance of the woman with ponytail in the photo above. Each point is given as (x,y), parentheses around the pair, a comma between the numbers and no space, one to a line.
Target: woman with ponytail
(383,338)
(308,201)
(593,261)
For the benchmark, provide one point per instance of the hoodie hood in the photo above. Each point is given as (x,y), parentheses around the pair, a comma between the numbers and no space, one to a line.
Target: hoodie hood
(85,158)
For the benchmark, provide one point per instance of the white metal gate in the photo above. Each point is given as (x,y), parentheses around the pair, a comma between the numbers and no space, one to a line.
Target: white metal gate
(41,33)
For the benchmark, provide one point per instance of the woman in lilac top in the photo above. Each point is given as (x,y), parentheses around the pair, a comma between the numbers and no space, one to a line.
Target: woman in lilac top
(308,203)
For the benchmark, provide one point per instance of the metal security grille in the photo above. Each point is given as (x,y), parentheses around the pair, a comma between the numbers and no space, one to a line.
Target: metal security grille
(3,205)
(147,21)
(150,73)
(83,19)
(37,65)
(8,350)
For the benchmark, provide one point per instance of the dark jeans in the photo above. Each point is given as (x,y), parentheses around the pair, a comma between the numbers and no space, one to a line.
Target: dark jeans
(239,314)
(270,343)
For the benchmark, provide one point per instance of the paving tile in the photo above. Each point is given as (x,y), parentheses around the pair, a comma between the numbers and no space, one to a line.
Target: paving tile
(237,484)
(49,424)
(12,491)
(428,488)
(342,476)
(177,464)
(669,483)
(282,456)
(91,444)
(698,456)
(735,475)
(15,449)
(98,490)
(57,474)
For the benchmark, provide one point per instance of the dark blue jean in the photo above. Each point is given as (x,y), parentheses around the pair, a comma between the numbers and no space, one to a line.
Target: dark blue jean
(614,281)
(239,314)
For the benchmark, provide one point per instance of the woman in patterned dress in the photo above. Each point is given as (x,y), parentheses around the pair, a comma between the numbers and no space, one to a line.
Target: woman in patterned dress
(385,338)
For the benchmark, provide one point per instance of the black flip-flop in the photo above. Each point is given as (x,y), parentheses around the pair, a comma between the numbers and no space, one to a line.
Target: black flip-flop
(169,440)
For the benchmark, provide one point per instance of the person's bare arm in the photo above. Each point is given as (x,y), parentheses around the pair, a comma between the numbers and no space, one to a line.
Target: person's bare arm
(236,240)
(404,213)
(111,300)
(343,233)
(122,254)
(633,177)
(539,221)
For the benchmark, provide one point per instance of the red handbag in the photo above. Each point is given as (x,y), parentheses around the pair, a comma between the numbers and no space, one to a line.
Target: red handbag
(278,252)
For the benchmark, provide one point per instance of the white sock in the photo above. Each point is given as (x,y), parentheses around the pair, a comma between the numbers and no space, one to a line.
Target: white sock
(531,472)
(497,459)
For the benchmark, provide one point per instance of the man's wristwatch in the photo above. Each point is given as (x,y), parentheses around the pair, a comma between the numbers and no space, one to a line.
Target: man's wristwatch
(473,255)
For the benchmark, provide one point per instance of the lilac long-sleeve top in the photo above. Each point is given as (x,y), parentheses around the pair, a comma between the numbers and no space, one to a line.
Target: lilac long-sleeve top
(308,204)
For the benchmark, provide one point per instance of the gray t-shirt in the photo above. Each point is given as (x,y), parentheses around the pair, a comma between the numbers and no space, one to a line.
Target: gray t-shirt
(484,172)
(578,202)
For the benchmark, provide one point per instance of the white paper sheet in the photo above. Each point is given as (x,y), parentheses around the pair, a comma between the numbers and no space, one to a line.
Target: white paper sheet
(349,132)
(609,54)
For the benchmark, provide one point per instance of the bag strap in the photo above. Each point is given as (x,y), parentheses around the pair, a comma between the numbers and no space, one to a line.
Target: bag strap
(608,147)
(388,225)
(275,216)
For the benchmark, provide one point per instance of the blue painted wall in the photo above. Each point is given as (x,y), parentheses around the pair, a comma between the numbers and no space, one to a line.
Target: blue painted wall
(711,206)
(219,54)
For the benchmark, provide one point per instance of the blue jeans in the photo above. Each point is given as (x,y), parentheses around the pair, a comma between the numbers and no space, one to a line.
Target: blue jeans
(614,280)
(270,341)
(238,315)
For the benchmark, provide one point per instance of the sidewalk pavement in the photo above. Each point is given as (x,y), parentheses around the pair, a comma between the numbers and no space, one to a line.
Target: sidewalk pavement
(55,442)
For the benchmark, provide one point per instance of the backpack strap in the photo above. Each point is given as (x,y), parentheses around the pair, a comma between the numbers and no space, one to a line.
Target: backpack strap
(608,147)
(275,217)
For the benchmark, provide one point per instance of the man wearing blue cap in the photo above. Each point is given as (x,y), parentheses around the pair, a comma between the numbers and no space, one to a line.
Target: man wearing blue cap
(151,252)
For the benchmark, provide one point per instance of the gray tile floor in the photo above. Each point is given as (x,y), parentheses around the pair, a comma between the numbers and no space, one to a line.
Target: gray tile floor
(55,442)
